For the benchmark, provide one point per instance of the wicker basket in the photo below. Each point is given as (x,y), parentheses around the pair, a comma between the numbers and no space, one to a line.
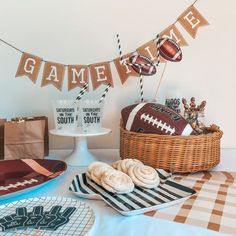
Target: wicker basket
(178,154)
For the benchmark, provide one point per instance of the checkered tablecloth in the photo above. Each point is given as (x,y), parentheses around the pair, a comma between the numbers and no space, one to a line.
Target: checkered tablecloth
(214,205)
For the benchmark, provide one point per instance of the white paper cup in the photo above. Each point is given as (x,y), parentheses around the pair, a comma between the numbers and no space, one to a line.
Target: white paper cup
(65,114)
(174,104)
(91,112)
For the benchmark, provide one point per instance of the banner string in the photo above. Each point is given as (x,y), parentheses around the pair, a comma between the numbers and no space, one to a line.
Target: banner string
(10,45)
(178,18)
(19,50)
(194,2)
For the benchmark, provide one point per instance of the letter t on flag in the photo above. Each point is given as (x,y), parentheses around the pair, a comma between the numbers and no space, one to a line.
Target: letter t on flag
(29,65)
(124,71)
(191,19)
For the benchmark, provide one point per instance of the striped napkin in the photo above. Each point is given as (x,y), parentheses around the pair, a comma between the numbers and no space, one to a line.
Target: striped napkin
(213,207)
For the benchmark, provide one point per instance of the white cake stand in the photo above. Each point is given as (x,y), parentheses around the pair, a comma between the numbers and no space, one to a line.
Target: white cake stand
(80,156)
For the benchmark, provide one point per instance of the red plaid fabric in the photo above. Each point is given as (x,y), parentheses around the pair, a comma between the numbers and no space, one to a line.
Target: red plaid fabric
(214,205)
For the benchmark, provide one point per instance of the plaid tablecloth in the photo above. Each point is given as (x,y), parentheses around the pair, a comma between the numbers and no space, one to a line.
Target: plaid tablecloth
(214,205)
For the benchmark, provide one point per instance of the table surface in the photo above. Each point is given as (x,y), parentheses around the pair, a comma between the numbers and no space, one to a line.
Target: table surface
(79,132)
(108,221)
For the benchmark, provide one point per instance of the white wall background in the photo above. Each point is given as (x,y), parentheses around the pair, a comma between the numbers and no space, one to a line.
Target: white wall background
(84,32)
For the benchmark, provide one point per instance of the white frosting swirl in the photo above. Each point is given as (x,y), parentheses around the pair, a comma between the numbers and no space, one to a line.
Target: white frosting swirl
(96,170)
(117,182)
(144,176)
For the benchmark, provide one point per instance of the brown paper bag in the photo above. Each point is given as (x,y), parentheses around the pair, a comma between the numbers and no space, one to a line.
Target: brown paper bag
(24,139)
(46,135)
(2,121)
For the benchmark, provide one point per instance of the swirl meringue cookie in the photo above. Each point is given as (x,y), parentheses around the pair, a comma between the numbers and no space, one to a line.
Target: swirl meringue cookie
(117,182)
(144,176)
(124,165)
(116,165)
(96,170)
(127,163)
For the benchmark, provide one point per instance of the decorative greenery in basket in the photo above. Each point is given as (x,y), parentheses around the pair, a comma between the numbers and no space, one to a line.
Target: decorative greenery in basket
(195,115)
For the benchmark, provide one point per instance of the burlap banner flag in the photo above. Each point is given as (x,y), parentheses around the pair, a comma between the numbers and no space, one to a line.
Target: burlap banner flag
(29,66)
(149,50)
(124,71)
(192,20)
(53,73)
(78,75)
(101,74)
(173,33)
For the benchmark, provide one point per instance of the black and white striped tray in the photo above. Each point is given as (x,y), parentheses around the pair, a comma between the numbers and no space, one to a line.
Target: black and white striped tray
(139,201)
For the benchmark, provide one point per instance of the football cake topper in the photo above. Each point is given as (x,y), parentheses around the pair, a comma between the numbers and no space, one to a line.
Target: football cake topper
(170,50)
(142,65)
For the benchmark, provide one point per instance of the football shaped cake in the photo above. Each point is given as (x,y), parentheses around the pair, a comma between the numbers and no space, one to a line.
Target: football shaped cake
(153,118)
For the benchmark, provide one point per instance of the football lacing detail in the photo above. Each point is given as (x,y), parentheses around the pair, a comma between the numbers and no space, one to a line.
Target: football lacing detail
(16,185)
(158,123)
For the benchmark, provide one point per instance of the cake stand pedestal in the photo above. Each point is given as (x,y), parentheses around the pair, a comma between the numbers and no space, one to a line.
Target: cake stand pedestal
(80,156)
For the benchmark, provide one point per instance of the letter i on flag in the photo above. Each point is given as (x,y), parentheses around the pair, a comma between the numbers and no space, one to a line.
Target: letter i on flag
(29,66)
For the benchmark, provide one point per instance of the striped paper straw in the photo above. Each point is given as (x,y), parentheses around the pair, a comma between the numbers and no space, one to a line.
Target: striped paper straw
(158,44)
(81,93)
(158,50)
(119,47)
(121,56)
(138,65)
(104,93)
(141,84)
(141,64)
